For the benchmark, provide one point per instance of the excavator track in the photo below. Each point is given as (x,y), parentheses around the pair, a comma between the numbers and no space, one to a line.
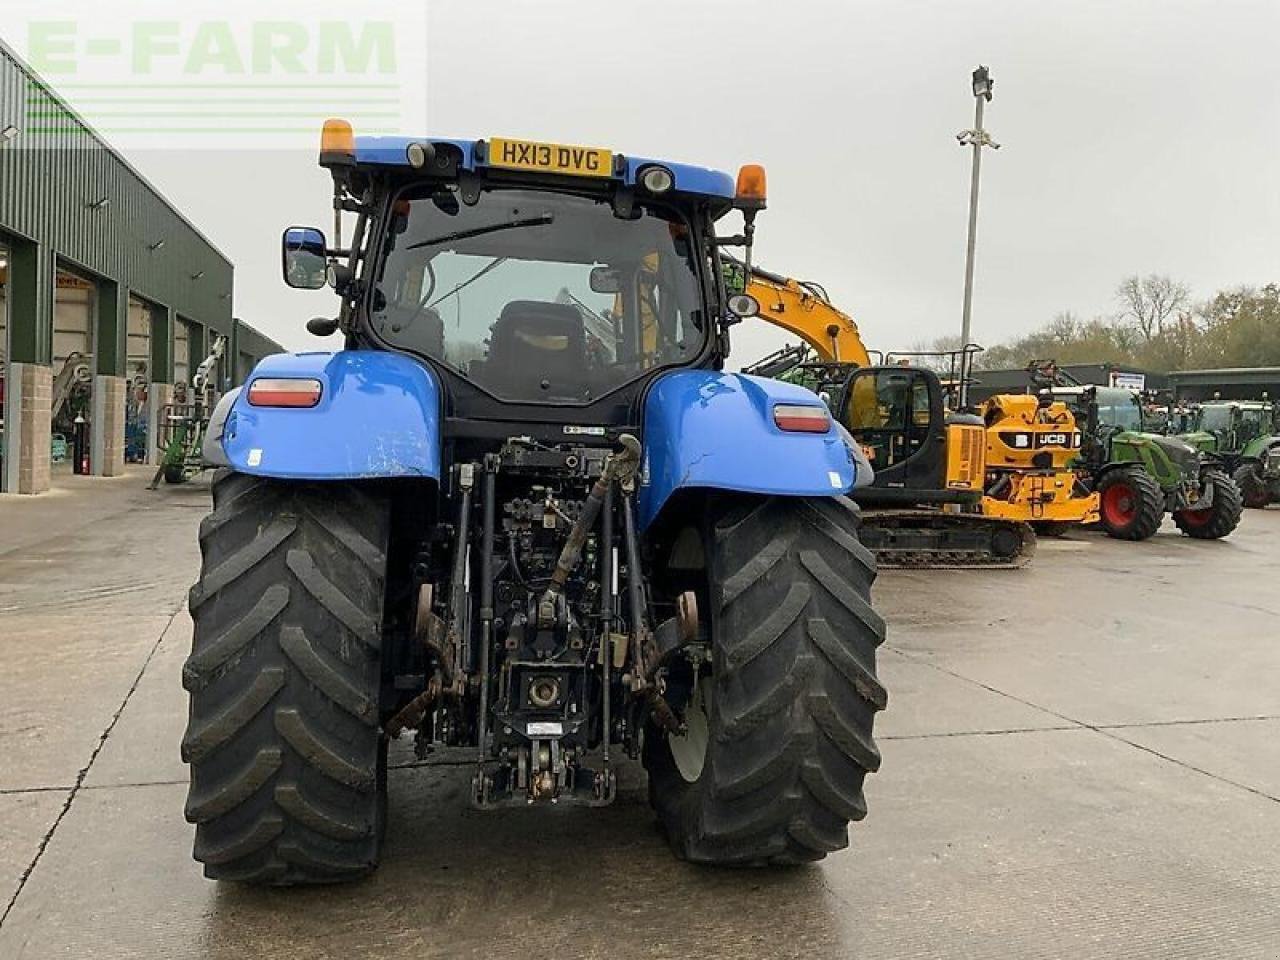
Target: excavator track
(936,539)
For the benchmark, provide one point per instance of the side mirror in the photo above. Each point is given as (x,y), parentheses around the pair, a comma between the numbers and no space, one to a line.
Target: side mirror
(743,305)
(304,254)
(605,280)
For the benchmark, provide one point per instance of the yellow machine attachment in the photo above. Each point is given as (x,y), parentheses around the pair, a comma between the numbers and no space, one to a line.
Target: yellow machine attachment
(1030,446)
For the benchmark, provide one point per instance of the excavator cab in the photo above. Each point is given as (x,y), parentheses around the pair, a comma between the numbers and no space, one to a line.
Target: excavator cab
(924,507)
(896,414)
(921,452)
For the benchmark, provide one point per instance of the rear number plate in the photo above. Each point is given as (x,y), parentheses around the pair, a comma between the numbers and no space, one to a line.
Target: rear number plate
(550,158)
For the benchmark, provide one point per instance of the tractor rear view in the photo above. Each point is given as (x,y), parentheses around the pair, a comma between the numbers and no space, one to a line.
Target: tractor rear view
(524,516)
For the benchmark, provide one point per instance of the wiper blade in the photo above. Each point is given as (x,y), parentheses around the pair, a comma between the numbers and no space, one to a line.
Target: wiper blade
(481,231)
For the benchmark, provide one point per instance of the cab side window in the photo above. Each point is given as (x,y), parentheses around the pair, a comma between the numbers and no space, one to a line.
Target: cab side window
(888,412)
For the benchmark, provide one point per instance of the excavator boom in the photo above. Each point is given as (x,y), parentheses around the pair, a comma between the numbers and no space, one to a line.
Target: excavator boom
(804,309)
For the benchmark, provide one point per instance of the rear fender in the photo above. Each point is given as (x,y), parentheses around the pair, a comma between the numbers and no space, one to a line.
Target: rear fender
(1259,447)
(378,416)
(709,430)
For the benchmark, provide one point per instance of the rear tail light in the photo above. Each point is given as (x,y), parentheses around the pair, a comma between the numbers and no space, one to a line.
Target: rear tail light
(796,418)
(270,392)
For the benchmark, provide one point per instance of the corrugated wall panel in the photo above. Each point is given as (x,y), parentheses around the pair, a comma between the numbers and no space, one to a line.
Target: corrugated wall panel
(48,181)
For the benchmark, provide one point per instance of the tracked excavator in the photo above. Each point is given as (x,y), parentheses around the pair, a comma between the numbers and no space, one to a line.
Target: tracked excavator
(925,507)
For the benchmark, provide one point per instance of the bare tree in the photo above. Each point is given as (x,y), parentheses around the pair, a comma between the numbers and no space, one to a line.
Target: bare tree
(1150,302)
(1064,328)
(1124,335)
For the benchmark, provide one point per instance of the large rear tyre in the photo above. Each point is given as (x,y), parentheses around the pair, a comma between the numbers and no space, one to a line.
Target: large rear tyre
(288,766)
(1218,519)
(1253,490)
(1131,504)
(779,738)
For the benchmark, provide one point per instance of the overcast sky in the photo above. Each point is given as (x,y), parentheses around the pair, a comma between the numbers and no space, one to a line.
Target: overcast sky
(1138,136)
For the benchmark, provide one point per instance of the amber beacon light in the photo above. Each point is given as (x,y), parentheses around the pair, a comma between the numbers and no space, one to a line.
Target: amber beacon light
(337,143)
(752,188)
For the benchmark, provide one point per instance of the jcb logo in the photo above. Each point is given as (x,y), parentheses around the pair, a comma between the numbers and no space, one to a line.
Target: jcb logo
(1054,439)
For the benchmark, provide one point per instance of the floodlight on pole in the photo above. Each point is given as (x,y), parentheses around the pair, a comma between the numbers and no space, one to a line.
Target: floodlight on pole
(977,138)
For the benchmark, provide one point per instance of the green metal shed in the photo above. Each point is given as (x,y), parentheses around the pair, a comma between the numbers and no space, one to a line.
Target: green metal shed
(101,279)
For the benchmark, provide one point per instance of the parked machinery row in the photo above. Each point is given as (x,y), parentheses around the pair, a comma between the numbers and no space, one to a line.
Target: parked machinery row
(1064,455)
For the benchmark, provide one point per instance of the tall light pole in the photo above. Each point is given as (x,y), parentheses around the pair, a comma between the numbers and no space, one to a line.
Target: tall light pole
(977,138)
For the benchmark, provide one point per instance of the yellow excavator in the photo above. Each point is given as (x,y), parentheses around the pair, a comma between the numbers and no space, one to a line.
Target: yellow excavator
(925,506)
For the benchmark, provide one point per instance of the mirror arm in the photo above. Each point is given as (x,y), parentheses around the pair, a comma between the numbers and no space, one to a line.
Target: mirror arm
(337,213)
(749,235)
(346,315)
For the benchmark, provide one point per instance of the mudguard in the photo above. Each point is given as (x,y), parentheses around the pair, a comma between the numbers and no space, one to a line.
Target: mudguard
(378,416)
(707,429)
(1259,447)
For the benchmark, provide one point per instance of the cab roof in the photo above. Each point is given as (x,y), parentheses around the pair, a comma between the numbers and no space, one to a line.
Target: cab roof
(689,179)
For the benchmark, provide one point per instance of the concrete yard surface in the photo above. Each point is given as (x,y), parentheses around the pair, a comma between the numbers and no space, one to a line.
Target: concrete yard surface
(1081,759)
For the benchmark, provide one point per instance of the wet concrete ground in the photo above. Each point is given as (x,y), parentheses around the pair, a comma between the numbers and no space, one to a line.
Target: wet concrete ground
(1080,759)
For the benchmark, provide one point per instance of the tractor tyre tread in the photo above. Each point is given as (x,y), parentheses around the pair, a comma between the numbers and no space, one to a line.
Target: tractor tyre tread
(796,691)
(1253,491)
(1228,507)
(287,762)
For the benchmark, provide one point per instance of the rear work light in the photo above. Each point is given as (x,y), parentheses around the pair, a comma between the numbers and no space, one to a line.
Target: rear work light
(273,392)
(796,418)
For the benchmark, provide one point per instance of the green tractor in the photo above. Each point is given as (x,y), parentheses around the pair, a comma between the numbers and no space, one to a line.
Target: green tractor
(1140,476)
(1242,434)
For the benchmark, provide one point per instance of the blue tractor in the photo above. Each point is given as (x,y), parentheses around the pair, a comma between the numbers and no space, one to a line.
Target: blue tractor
(525,517)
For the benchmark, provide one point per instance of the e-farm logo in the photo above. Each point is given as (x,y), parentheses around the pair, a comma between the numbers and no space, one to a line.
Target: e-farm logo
(237,81)
(274,48)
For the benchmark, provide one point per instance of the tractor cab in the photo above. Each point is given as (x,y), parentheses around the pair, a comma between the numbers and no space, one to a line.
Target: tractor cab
(1229,426)
(1104,412)
(539,282)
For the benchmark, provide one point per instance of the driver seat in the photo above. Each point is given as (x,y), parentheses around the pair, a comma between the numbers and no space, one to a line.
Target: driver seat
(533,341)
